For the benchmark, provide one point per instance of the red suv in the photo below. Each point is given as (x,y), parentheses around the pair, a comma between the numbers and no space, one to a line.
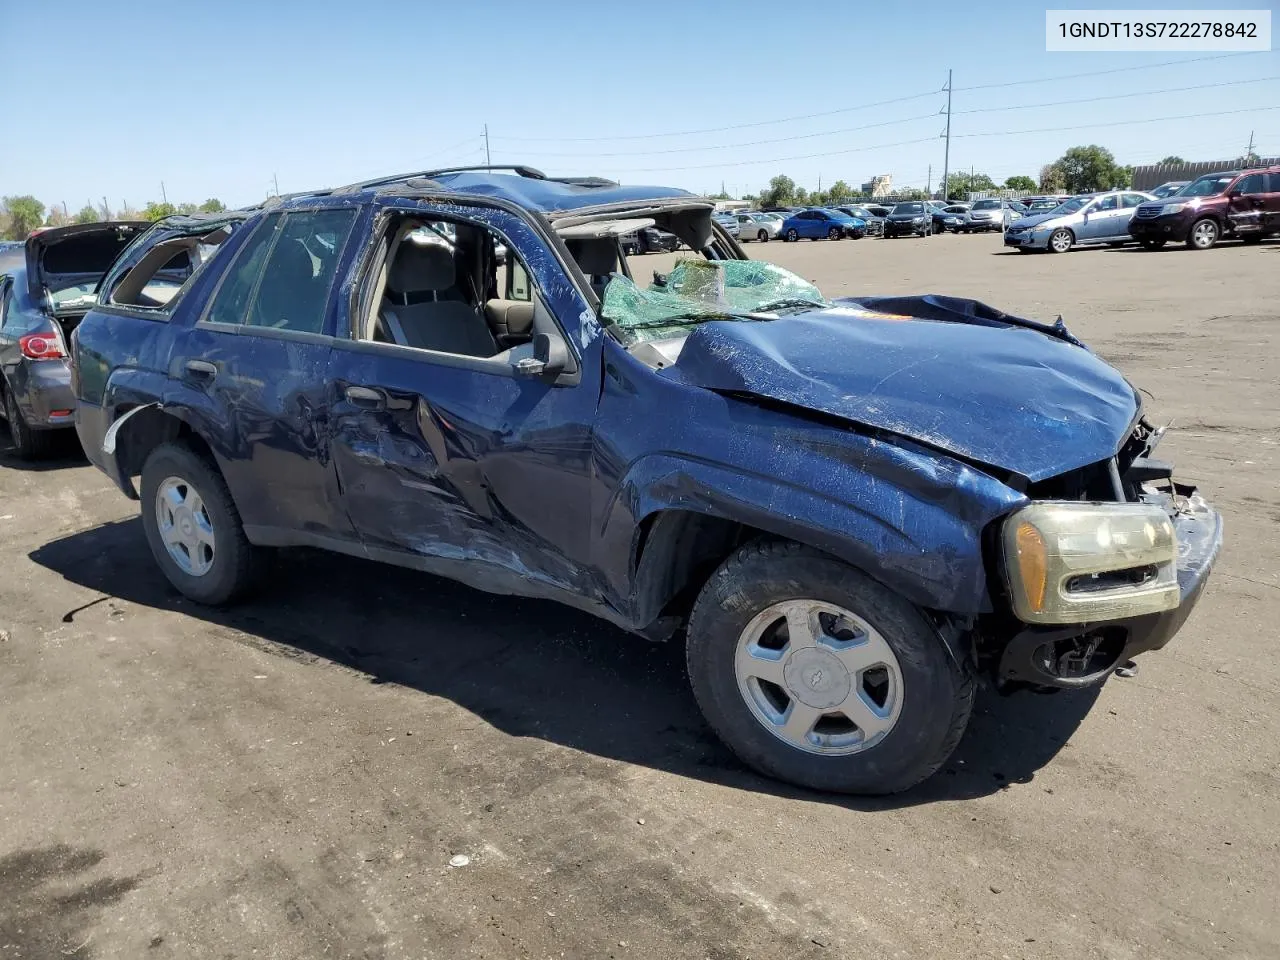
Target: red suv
(1243,204)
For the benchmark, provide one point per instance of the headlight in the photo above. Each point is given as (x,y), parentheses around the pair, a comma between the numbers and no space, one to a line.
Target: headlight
(918,220)
(1174,207)
(1084,562)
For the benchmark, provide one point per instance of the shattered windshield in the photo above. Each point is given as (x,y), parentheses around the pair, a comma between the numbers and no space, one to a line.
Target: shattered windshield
(698,290)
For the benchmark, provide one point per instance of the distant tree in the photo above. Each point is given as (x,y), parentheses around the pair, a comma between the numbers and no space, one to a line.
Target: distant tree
(781,192)
(913,193)
(1088,168)
(1020,183)
(1250,159)
(187,208)
(1173,158)
(960,185)
(57,216)
(22,215)
(88,214)
(840,192)
(127,212)
(1052,178)
(720,196)
(801,196)
(212,205)
(1122,179)
(157,211)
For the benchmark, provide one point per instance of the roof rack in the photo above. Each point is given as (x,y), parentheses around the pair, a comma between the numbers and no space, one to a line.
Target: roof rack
(362,185)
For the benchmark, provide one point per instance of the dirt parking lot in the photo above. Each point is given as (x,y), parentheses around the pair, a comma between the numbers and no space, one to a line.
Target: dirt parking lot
(292,778)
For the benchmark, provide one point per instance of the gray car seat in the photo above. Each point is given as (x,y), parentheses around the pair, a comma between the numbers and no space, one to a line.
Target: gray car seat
(418,313)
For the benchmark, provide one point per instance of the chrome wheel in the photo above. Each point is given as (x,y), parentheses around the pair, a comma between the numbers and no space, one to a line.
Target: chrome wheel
(1061,241)
(185,526)
(1204,234)
(819,677)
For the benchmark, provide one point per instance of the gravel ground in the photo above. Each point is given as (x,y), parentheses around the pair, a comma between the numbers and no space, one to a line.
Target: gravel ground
(293,778)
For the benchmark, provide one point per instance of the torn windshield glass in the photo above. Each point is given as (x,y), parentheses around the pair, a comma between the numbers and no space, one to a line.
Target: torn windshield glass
(698,290)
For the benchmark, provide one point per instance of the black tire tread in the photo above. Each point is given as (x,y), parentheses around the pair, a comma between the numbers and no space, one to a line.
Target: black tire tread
(766,551)
(245,559)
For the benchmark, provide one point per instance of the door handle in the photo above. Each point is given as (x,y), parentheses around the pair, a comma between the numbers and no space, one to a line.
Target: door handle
(366,397)
(201,371)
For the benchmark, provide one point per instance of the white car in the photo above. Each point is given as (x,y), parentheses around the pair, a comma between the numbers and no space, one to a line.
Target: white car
(758,226)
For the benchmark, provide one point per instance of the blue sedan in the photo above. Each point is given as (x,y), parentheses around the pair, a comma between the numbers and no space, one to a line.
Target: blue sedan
(821,222)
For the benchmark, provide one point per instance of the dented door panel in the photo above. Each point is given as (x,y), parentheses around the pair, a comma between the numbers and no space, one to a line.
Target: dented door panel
(481,468)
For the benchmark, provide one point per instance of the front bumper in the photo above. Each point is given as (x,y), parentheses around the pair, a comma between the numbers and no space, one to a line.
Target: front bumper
(1028,240)
(892,229)
(1041,656)
(1173,227)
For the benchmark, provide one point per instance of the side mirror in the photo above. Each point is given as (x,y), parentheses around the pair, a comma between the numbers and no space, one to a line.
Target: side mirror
(550,357)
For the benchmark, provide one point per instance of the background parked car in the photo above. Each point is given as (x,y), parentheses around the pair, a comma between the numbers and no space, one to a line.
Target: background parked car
(1243,204)
(990,214)
(43,295)
(909,219)
(953,217)
(874,222)
(649,240)
(759,226)
(1168,189)
(729,222)
(821,222)
(1100,218)
(1036,205)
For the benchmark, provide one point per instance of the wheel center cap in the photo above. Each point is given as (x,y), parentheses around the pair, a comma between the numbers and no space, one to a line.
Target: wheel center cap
(816,678)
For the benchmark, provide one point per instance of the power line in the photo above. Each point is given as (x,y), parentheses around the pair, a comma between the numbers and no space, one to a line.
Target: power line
(736,144)
(734,126)
(1120,96)
(807,156)
(1101,73)
(1118,123)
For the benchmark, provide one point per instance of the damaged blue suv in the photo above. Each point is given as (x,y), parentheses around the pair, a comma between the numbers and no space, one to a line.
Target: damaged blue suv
(852,510)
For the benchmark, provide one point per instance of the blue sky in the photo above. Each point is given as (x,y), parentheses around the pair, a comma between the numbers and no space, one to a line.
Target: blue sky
(215,99)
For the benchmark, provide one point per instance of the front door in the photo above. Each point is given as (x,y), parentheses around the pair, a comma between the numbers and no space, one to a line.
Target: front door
(451,457)
(1100,218)
(253,368)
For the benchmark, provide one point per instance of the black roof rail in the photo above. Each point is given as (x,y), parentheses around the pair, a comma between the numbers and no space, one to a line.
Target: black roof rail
(363,185)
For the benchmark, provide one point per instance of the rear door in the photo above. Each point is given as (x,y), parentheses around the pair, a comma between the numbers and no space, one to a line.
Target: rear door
(251,374)
(1247,204)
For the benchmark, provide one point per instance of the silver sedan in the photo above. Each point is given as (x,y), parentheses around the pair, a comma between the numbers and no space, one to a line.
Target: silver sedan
(1087,219)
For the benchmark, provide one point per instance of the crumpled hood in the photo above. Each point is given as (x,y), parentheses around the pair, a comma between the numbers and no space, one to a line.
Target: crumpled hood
(951,373)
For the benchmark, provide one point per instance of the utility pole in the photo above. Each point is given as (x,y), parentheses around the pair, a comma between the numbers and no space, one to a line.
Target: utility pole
(65,212)
(928,184)
(106,210)
(1249,152)
(946,155)
(488,162)
(276,180)
(163,196)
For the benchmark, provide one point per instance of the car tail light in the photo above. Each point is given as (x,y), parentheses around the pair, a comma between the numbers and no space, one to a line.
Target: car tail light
(41,346)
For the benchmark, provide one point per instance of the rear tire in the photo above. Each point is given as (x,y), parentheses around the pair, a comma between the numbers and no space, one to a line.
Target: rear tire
(1153,244)
(1204,234)
(915,699)
(763,236)
(233,563)
(792,235)
(28,444)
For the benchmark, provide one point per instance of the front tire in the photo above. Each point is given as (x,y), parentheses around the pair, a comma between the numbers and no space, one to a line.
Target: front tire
(1061,241)
(1152,244)
(814,673)
(834,233)
(1204,234)
(28,444)
(193,527)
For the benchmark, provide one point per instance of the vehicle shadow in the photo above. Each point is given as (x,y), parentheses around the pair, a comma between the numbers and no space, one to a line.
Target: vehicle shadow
(65,452)
(615,695)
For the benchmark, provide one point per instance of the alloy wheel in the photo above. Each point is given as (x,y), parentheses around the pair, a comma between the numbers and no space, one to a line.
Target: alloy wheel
(819,677)
(185,526)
